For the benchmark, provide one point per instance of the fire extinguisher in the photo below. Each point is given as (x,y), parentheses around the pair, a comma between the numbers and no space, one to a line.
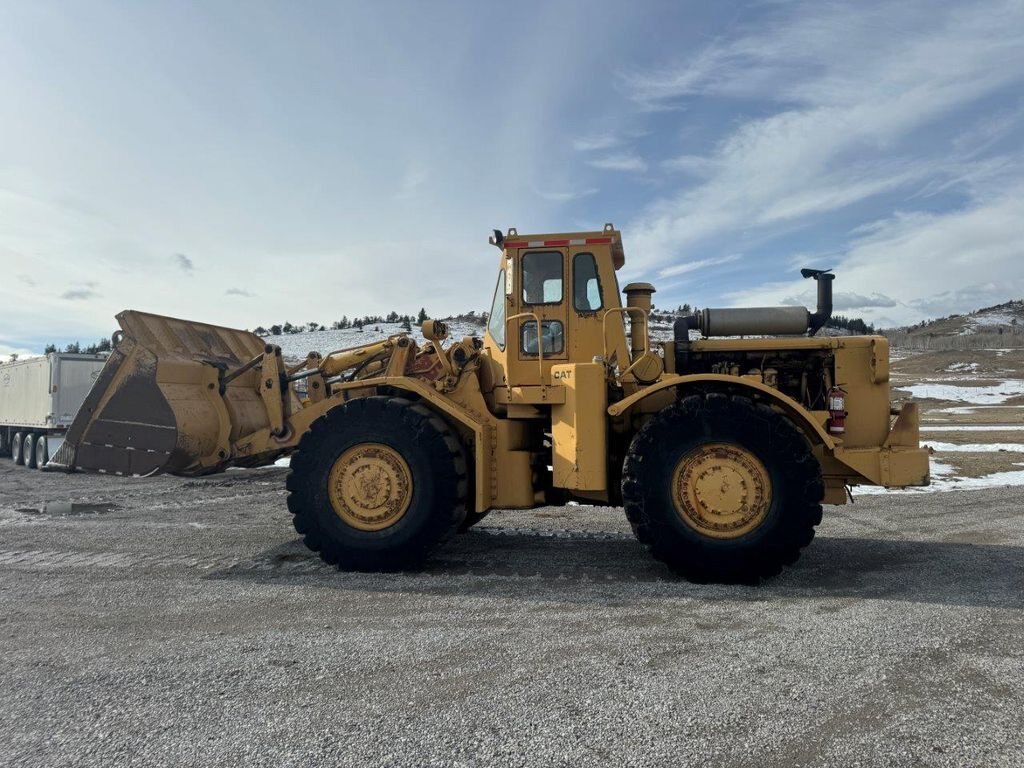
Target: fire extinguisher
(837,410)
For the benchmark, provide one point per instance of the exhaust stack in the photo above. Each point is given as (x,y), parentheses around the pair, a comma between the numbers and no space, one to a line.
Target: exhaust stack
(824,278)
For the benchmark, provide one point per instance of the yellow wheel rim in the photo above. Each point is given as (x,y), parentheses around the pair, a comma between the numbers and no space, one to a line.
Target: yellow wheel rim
(370,486)
(721,490)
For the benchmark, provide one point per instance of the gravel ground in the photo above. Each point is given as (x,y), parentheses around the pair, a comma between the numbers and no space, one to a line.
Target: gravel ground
(187,625)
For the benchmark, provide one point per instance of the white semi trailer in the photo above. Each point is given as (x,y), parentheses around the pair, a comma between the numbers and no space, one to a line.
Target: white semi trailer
(39,397)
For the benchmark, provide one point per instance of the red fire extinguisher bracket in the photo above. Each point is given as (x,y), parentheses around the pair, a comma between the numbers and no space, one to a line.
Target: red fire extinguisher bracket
(837,410)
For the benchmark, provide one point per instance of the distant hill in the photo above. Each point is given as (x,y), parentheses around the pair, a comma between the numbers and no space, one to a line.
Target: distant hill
(1001,325)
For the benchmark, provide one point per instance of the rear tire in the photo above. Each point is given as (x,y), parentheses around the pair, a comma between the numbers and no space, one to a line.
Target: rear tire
(377,484)
(42,451)
(29,450)
(18,449)
(722,489)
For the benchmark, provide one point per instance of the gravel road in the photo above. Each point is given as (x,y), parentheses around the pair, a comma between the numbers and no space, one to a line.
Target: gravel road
(181,622)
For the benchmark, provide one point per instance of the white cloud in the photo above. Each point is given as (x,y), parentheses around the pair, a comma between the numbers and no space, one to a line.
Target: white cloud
(845,300)
(566,195)
(695,165)
(284,159)
(595,142)
(626,161)
(911,260)
(693,266)
(850,84)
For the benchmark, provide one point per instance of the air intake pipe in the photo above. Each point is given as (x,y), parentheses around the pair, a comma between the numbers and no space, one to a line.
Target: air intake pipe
(638,296)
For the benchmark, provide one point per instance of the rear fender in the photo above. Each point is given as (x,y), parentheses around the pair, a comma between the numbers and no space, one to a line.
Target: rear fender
(707,381)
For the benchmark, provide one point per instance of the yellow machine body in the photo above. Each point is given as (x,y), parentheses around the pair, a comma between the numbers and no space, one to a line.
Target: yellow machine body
(544,404)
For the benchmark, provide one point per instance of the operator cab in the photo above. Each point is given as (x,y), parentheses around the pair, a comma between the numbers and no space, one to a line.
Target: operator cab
(553,296)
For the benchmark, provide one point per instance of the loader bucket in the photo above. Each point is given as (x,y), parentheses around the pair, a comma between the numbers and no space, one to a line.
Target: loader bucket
(162,404)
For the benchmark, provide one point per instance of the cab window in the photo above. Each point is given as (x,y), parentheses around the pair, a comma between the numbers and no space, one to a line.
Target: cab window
(552,337)
(542,277)
(586,288)
(496,321)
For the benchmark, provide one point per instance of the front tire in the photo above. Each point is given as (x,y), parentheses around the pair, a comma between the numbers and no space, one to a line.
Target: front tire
(721,488)
(377,484)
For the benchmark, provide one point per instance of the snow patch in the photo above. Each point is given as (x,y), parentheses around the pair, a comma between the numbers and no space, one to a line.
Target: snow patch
(976,428)
(997,393)
(996,318)
(965,410)
(961,367)
(944,479)
(975,447)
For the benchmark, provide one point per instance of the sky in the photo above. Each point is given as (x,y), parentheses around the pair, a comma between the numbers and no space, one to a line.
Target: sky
(252,163)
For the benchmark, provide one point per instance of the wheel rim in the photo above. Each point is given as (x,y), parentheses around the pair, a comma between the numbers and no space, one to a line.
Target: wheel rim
(721,490)
(370,486)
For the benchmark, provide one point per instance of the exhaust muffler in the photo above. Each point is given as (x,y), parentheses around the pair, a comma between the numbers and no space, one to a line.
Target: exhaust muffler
(763,321)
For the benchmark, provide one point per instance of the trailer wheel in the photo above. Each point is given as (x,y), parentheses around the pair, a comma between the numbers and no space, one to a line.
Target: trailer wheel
(18,449)
(29,450)
(722,488)
(42,451)
(377,484)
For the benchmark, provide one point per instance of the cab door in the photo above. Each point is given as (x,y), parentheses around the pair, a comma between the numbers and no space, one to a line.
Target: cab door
(543,290)
(591,291)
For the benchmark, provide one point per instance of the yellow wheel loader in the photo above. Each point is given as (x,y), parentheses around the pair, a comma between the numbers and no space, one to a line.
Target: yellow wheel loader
(721,444)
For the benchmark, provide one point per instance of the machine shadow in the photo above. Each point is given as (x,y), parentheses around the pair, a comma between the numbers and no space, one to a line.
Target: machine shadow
(585,570)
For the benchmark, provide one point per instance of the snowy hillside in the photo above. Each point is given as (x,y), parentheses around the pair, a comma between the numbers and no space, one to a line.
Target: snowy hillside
(998,326)
(295,346)
(1007,316)
(1001,318)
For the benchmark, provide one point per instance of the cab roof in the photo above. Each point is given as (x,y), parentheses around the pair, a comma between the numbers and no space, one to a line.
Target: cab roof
(608,236)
